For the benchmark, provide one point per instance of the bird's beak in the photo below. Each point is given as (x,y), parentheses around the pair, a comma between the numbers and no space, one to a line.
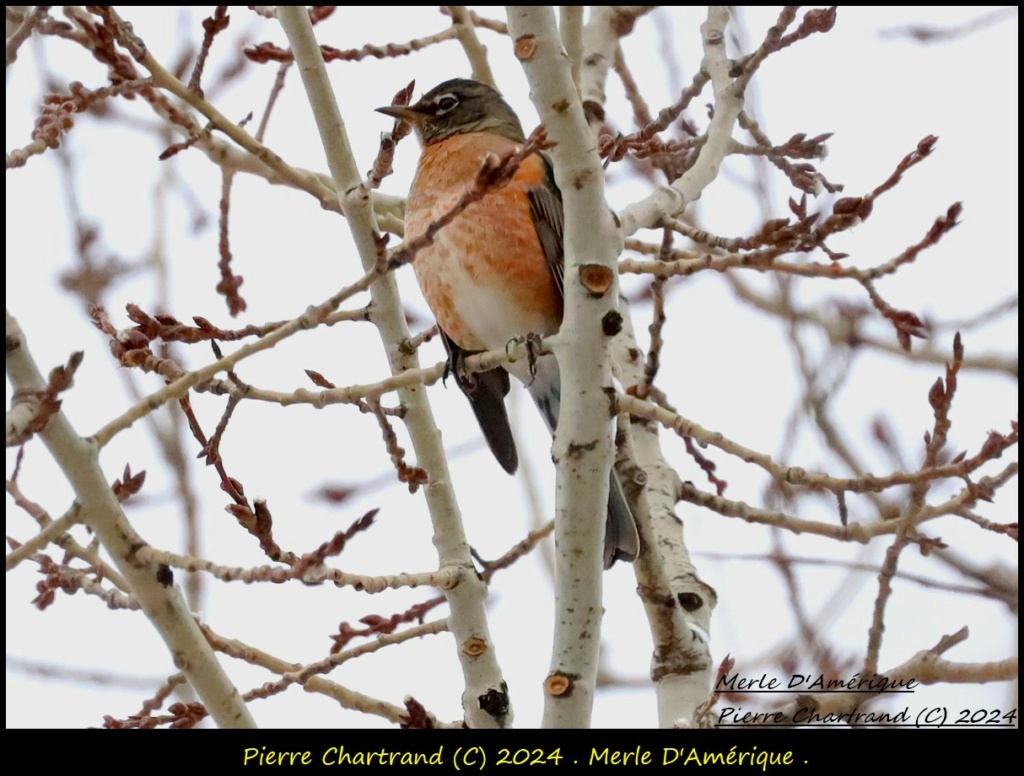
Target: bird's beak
(403,113)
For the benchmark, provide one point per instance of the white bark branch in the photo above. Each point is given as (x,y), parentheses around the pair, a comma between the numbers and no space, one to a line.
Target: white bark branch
(599,44)
(468,619)
(570,28)
(678,603)
(49,534)
(583,442)
(669,201)
(476,52)
(164,605)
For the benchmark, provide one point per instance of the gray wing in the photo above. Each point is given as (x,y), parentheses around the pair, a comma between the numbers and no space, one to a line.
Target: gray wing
(621,540)
(546,209)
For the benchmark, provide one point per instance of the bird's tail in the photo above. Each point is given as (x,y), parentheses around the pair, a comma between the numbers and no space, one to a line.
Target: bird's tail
(621,540)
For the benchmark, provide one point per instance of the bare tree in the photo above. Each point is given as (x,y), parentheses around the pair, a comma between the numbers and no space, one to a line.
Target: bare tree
(835,545)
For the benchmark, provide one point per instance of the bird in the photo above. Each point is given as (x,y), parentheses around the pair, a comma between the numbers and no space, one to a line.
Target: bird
(494,273)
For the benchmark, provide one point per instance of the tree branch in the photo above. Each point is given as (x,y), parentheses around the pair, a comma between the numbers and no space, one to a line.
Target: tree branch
(468,620)
(163,604)
(582,448)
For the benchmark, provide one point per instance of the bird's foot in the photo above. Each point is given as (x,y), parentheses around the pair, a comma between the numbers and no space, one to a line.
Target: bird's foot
(534,350)
(455,366)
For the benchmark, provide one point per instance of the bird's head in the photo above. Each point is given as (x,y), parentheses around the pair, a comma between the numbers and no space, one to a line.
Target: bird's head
(458,106)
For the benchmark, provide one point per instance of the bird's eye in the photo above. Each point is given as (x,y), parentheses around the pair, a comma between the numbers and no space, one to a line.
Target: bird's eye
(445,104)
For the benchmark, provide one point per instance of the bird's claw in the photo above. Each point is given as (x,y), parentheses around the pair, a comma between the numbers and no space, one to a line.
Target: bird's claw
(532,342)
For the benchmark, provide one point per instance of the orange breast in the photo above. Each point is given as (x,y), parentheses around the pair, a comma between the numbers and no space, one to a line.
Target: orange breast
(485,276)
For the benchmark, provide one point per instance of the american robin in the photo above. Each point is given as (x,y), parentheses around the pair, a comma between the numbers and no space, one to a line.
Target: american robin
(495,272)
